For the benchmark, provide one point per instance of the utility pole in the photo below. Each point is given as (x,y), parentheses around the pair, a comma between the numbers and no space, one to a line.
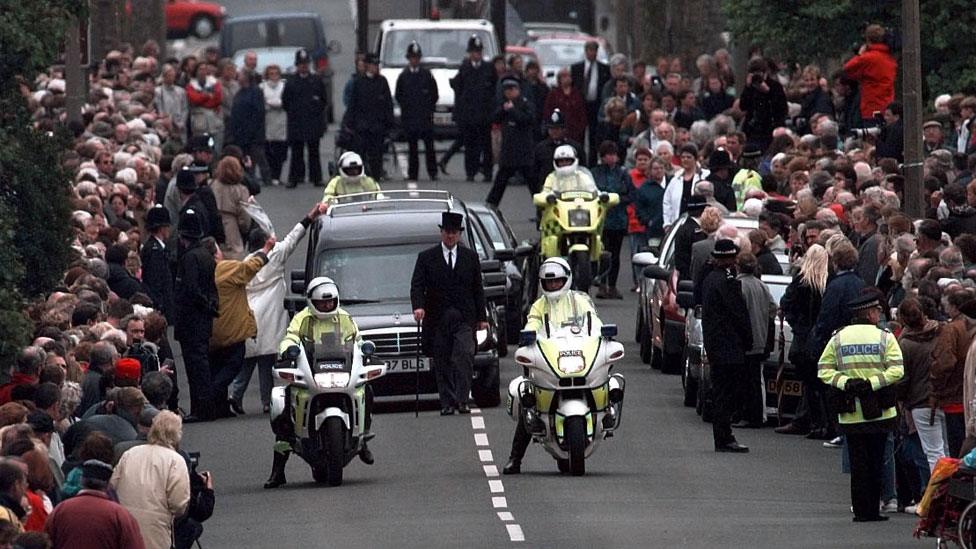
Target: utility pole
(74,79)
(911,94)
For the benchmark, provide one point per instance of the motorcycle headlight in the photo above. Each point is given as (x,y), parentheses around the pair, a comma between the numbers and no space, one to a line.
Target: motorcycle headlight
(481,336)
(579,218)
(332,380)
(573,364)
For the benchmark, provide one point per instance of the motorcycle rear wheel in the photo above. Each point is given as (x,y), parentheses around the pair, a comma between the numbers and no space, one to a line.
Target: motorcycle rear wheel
(575,431)
(334,435)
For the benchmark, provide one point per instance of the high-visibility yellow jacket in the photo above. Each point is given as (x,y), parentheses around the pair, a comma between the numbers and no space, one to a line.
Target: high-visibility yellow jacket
(304,324)
(570,308)
(862,351)
(338,187)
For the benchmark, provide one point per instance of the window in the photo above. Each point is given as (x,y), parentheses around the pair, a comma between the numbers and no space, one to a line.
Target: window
(441,46)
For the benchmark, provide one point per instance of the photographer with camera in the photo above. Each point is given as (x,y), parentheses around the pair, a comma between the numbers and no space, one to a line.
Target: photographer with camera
(891,141)
(763,102)
(874,69)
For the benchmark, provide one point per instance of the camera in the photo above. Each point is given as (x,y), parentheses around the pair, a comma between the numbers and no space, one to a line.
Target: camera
(874,130)
(756,79)
(194,460)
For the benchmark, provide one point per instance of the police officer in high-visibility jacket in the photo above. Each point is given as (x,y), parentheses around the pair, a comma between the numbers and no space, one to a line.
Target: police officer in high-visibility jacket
(559,305)
(862,363)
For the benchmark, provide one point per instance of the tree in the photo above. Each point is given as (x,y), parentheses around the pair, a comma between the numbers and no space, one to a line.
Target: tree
(818,31)
(35,228)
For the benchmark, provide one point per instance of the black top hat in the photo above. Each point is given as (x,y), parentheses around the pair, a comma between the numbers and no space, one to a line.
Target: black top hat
(202,142)
(413,50)
(475,44)
(556,119)
(191,225)
(98,470)
(451,221)
(720,159)
(301,56)
(751,151)
(725,248)
(186,180)
(156,217)
(696,203)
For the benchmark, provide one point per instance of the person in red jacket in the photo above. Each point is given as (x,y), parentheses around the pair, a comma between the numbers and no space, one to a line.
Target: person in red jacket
(29,365)
(874,68)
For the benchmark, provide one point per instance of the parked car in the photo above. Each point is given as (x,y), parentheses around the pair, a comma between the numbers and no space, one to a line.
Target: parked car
(275,37)
(369,248)
(444,44)
(193,18)
(556,51)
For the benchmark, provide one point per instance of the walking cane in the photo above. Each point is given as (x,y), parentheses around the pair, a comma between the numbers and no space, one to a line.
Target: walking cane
(416,411)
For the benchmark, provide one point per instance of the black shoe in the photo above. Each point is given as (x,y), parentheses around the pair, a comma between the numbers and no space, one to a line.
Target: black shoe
(443,167)
(277,477)
(792,429)
(196,419)
(224,412)
(447,411)
(820,434)
(236,406)
(291,185)
(463,409)
(747,425)
(513,467)
(877,518)
(365,455)
(319,183)
(433,177)
(732,447)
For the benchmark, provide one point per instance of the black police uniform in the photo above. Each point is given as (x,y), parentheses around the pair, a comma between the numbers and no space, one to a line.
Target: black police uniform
(518,123)
(303,100)
(370,115)
(196,307)
(546,148)
(474,93)
(416,93)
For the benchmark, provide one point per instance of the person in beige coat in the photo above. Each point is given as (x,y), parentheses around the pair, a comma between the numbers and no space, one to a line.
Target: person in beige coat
(153,483)
(230,192)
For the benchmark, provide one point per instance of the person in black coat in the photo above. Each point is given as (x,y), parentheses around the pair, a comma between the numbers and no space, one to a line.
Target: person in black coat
(119,280)
(727,335)
(686,236)
(303,100)
(721,172)
(447,296)
(416,93)
(589,77)
(544,151)
(157,262)
(196,195)
(763,102)
(247,122)
(474,94)
(517,117)
(196,307)
(370,115)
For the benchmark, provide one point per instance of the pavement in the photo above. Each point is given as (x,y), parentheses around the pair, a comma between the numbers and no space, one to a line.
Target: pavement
(435,483)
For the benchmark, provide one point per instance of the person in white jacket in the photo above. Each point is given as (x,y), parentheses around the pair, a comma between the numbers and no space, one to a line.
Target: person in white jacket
(266,296)
(682,185)
(275,122)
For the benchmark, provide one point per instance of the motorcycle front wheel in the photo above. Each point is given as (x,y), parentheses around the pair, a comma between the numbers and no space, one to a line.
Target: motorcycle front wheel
(575,431)
(334,436)
(579,262)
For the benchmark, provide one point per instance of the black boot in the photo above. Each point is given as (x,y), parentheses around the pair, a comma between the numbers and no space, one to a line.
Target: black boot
(277,477)
(365,455)
(513,467)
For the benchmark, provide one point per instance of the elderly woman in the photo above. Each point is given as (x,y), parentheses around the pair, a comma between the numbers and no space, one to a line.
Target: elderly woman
(231,193)
(153,482)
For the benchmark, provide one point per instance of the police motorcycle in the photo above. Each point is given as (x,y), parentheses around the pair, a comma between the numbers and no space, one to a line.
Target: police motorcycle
(326,400)
(571,222)
(568,398)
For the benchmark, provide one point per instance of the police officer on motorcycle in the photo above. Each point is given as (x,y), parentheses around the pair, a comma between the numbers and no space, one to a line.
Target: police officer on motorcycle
(322,316)
(350,180)
(558,305)
(566,174)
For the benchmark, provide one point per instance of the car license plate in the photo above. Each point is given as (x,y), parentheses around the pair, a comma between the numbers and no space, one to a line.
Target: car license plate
(394,365)
(791,387)
(442,118)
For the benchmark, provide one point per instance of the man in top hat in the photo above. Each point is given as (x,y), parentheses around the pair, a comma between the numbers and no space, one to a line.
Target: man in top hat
(416,93)
(862,363)
(589,78)
(555,136)
(304,101)
(747,178)
(195,307)
(447,296)
(370,115)
(517,118)
(720,172)
(686,236)
(474,93)
(727,336)
(157,261)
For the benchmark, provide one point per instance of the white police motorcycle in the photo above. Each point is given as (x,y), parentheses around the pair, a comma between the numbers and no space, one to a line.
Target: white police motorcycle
(326,400)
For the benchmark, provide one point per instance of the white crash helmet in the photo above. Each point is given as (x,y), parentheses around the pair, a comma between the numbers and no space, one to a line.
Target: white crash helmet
(351,166)
(564,160)
(555,268)
(322,297)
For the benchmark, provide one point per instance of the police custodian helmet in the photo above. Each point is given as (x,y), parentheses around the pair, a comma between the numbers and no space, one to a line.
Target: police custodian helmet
(413,50)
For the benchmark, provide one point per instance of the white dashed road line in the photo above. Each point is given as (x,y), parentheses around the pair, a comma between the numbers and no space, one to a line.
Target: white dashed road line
(495,485)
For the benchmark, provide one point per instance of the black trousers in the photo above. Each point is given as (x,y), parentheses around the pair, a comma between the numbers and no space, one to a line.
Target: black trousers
(225,364)
(866,452)
(723,398)
(371,148)
(955,433)
(812,410)
(197,364)
(452,150)
(593,135)
(296,171)
(521,440)
(613,240)
(476,140)
(276,152)
(413,154)
(750,400)
(453,350)
(501,182)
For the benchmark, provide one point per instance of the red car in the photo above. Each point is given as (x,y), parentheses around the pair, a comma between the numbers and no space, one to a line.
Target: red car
(193,18)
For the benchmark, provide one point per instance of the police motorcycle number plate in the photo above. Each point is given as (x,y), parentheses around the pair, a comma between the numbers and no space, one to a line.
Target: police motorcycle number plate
(407,364)
(325,366)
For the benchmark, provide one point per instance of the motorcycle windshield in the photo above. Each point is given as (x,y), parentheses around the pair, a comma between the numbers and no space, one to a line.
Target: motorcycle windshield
(579,182)
(327,350)
(570,352)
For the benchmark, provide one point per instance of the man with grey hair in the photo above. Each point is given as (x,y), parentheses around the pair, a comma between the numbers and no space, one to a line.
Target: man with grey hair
(618,67)
(29,364)
(100,374)
(707,189)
